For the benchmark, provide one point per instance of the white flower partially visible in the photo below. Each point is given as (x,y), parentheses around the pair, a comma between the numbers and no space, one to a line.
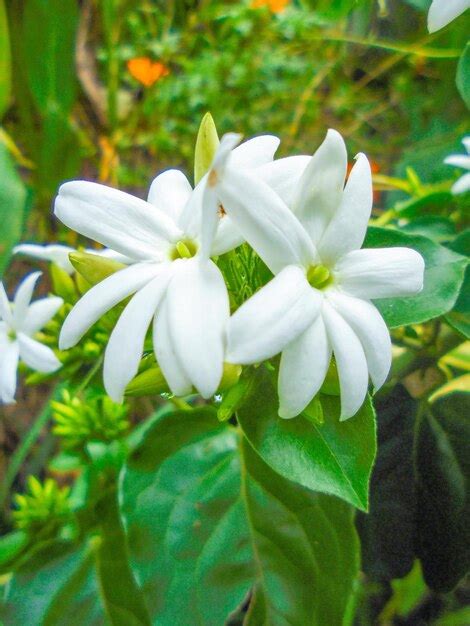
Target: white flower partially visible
(318,304)
(174,281)
(19,322)
(463,161)
(59,254)
(442,12)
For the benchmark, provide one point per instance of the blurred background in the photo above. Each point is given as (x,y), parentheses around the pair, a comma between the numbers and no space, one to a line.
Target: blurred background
(114,91)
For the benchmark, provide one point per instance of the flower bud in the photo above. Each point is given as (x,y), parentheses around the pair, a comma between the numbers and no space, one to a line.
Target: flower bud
(148,383)
(207,143)
(94,268)
(62,283)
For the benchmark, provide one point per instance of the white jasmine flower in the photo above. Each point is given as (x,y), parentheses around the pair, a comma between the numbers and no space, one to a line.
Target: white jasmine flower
(174,281)
(59,254)
(19,322)
(442,12)
(463,161)
(318,304)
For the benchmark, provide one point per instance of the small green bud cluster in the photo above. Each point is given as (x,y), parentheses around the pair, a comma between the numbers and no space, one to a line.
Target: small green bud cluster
(43,509)
(93,418)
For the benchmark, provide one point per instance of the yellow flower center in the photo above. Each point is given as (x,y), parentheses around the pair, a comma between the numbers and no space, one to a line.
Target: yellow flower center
(319,276)
(183,249)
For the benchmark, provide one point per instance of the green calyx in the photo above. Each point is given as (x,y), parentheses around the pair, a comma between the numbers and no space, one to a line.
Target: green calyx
(183,249)
(319,276)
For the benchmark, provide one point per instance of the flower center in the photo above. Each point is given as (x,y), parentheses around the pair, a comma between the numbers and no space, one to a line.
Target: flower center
(183,249)
(319,276)
(11,335)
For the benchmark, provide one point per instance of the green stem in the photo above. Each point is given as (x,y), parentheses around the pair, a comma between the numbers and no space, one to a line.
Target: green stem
(84,384)
(23,450)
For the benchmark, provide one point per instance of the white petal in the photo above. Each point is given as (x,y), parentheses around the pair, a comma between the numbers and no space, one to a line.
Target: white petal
(102,297)
(39,313)
(265,221)
(462,185)
(23,296)
(255,151)
(190,218)
(166,356)
(125,345)
(169,192)
(5,307)
(372,332)
(116,219)
(458,160)
(283,175)
(350,361)
(272,318)
(227,236)
(347,229)
(320,189)
(304,364)
(442,12)
(381,272)
(9,356)
(56,253)
(198,311)
(36,355)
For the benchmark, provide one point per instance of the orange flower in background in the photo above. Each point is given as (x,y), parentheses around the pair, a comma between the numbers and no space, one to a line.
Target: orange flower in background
(275,6)
(146,71)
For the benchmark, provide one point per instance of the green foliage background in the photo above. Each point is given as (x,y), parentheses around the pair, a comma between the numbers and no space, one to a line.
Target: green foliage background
(175,516)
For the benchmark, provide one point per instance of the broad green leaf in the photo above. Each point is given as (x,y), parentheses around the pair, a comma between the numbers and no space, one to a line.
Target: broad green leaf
(11,545)
(5,60)
(437,202)
(387,532)
(122,597)
(436,228)
(443,472)
(13,198)
(459,317)
(463,75)
(207,143)
(443,278)
(332,457)
(208,520)
(56,586)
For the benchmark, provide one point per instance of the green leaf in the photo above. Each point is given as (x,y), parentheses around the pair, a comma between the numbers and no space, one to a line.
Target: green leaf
(121,595)
(443,474)
(13,198)
(433,203)
(463,75)
(207,143)
(332,457)
(387,532)
(208,520)
(56,586)
(11,545)
(443,278)
(5,60)
(459,317)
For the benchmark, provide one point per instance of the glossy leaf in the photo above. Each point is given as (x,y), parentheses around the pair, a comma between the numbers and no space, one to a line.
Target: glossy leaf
(122,597)
(13,198)
(387,532)
(208,520)
(443,475)
(56,586)
(463,75)
(459,317)
(332,457)
(443,278)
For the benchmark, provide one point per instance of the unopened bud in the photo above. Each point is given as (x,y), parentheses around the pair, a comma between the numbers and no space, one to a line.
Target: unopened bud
(207,143)
(94,268)
(62,283)
(150,382)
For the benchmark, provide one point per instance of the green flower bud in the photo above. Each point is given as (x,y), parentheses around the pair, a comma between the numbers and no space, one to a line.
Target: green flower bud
(62,283)
(79,421)
(44,508)
(94,268)
(207,143)
(150,382)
